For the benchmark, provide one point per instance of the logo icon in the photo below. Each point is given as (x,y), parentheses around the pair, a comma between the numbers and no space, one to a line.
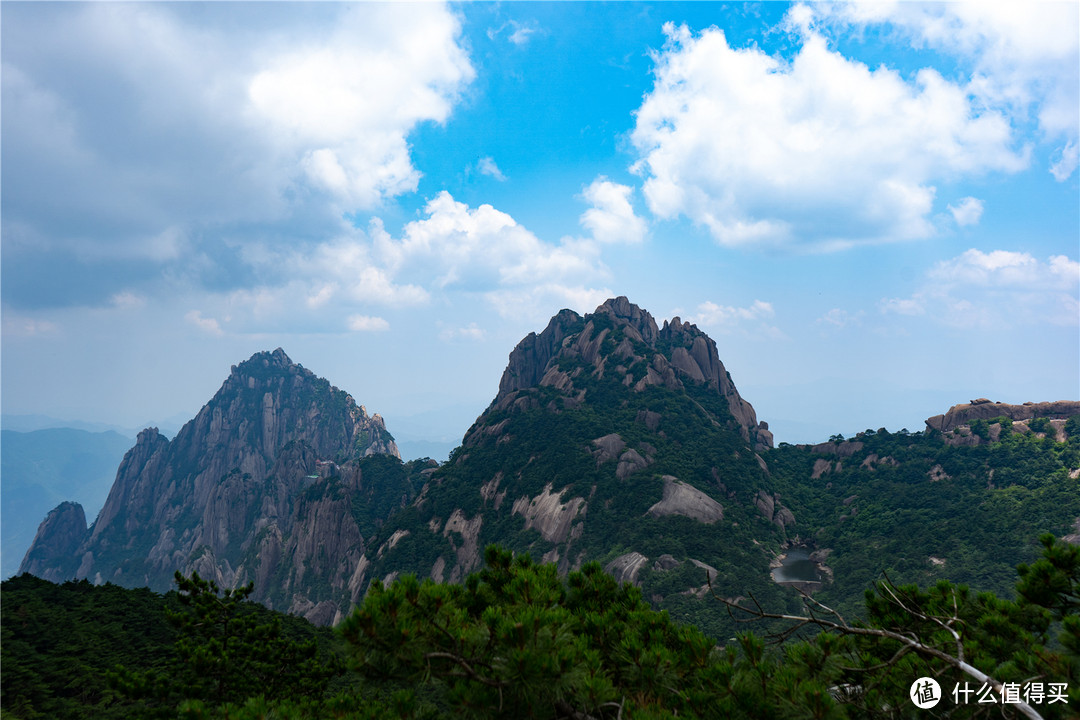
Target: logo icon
(925,693)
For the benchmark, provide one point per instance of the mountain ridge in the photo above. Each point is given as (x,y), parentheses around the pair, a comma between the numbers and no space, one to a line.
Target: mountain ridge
(225,495)
(611,438)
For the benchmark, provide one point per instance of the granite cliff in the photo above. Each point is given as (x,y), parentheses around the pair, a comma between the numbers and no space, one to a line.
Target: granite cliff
(645,355)
(956,423)
(258,486)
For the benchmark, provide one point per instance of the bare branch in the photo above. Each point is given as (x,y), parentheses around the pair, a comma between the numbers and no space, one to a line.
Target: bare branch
(465,666)
(912,643)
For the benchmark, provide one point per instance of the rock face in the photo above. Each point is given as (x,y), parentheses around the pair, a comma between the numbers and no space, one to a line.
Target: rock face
(686,500)
(255,487)
(625,568)
(983,409)
(58,536)
(607,431)
(672,356)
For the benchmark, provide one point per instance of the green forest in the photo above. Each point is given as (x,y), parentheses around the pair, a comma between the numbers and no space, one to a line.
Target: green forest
(517,640)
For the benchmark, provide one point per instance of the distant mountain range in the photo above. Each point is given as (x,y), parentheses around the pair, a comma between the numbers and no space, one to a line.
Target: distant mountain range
(31,423)
(44,467)
(611,438)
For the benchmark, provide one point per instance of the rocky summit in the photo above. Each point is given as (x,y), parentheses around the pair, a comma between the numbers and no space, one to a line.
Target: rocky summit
(622,340)
(254,488)
(611,439)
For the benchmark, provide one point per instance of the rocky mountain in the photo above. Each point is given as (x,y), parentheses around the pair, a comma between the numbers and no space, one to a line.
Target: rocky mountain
(616,439)
(259,486)
(611,438)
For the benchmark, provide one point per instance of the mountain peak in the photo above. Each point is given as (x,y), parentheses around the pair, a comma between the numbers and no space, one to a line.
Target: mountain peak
(266,360)
(235,470)
(622,340)
(620,308)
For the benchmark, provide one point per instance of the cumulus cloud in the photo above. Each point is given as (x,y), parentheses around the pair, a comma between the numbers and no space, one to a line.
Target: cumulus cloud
(967,212)
(348,104)
(1024,57)
(356,276)
(821,150)
(452,251)
(611,219)
(997,288)
(150,133)
(485,251)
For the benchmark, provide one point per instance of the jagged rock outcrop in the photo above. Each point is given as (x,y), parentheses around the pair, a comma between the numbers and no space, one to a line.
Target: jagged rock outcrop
(983,409)
(669,356)
(625,568)
(258,487)
(686,500)
(58,536)
(773,510)
(548,514)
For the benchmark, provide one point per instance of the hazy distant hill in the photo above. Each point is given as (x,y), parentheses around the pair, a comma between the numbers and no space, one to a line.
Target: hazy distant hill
(42,468)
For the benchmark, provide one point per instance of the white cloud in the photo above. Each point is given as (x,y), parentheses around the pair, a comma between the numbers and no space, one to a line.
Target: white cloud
(822,150)
(905,306)
(177,139)
(1063,168)
(209,326)
(348,103)
(482,250)
(452,251)
(1023,57)
(367,323)
(472,331)
(487,166)
(358,277)
(725,318)
(967,212)
(611,218)
(840,318)
(518,33)
(539,302)
(996,289)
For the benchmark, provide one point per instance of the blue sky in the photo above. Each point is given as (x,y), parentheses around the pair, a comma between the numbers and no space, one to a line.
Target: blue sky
(872,208)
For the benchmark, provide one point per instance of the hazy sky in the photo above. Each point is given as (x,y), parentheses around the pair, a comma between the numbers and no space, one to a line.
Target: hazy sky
(873,209)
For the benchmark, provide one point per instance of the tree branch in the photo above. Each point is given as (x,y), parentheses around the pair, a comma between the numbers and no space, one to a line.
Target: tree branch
(913,644)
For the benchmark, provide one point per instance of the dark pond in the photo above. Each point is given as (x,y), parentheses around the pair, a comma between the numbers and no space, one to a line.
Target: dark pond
(797,567)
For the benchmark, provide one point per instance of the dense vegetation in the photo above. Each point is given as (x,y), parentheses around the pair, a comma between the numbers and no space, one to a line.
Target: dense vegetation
(909,506)
(914,508)
(518,640)
(77,650)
